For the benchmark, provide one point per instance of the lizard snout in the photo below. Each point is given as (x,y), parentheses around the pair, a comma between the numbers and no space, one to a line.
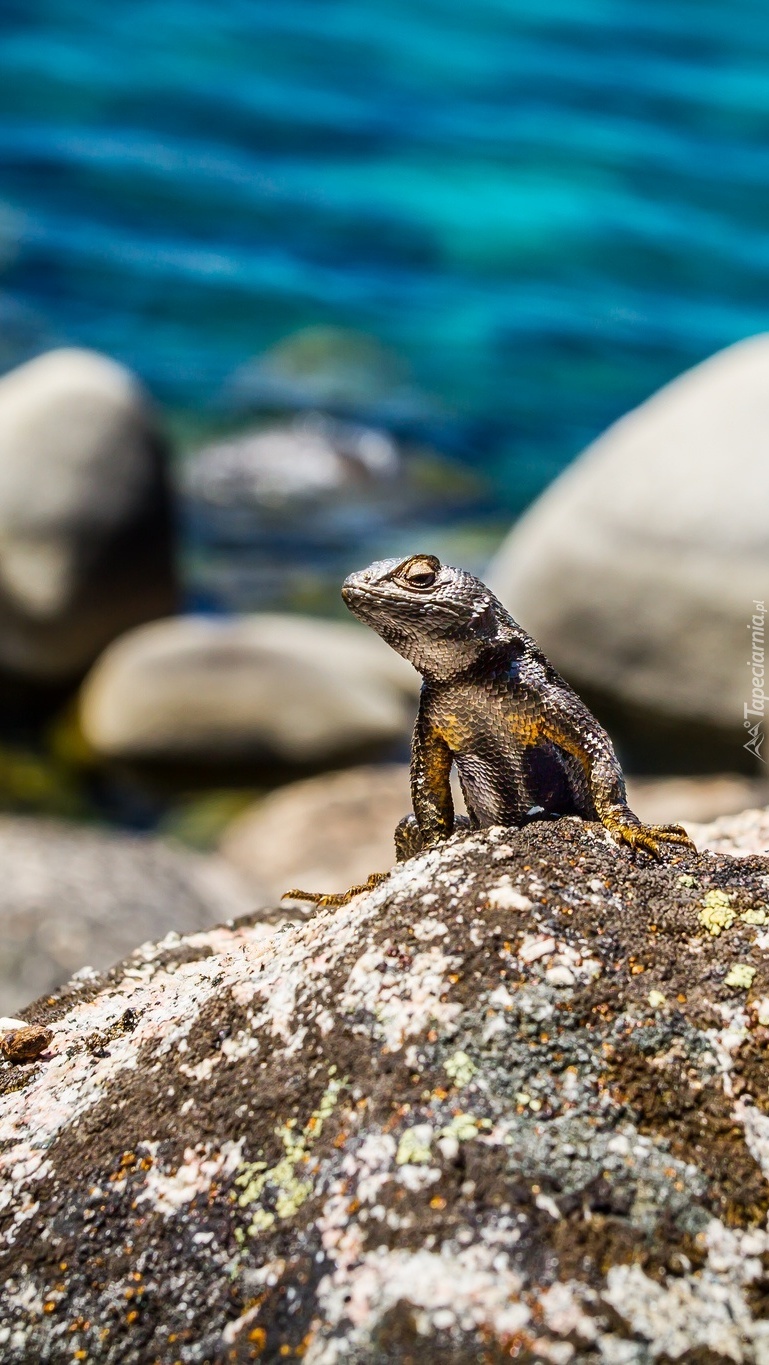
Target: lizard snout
(354,585)
(352,591)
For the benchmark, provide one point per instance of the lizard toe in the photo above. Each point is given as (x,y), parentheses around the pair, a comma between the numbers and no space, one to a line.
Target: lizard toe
(653,838)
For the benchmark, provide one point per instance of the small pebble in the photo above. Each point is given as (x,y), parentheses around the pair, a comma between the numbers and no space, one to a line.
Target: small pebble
(559,976)
(25,1044)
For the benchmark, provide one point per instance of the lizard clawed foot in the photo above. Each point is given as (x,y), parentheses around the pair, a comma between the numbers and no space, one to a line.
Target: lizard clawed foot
(652,838)
(323,898)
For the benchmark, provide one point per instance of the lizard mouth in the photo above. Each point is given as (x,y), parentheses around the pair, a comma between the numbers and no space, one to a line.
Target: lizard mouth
(365,603)
(353,591)
(356,594)
(360,593)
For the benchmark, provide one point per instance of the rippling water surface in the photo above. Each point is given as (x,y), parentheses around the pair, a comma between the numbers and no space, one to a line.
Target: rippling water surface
(545,208)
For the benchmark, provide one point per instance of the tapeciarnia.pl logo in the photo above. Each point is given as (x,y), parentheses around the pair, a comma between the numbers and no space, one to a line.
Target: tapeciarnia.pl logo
(754,710)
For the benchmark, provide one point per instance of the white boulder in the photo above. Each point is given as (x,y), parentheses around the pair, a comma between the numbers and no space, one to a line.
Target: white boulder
(85,525)
(273,688)
(638,570)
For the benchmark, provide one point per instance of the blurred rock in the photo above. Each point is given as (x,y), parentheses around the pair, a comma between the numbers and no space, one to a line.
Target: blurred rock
(637,570)
(71,896)
(269,689)
(669,800)
(279,515)
(324,834)
(344,372)
(743,836)
(85,525)
(313,458)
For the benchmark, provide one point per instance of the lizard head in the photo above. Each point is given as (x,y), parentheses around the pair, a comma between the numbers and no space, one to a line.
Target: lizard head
(438,617)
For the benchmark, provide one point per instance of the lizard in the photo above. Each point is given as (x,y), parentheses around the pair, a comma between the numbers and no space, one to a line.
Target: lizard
(525,744)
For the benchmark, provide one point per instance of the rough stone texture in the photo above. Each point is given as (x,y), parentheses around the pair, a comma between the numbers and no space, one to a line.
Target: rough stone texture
(637,570)
(511,1104)
(270,688)
(70,896)
(329,832)
(25,1044)
(85,523)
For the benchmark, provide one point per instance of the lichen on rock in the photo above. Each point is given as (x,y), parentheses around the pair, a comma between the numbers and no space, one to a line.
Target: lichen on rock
(510,1104)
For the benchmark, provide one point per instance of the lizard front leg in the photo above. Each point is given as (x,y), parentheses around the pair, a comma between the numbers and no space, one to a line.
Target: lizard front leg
(565,720)
(615,814)
(433,818)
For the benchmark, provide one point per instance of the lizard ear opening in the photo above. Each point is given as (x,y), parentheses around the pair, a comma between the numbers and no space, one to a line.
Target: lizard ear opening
(419,572)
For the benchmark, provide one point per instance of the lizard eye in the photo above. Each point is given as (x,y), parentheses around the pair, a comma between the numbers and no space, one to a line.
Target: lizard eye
(420,573)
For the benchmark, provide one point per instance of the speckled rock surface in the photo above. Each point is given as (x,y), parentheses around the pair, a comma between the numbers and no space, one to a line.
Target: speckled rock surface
(511,1104)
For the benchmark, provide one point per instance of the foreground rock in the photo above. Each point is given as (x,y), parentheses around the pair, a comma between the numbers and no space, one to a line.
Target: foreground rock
(512,1103)
(70,896)
(328,832)
(266,689)
(85,525)
(638,569)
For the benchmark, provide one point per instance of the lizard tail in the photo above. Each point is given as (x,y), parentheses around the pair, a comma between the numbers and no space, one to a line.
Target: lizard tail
(322,898)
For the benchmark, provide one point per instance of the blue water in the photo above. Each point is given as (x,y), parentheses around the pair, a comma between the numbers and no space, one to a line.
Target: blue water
(546,208)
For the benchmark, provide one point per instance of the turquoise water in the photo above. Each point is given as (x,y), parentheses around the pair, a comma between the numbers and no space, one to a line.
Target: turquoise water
(546,209)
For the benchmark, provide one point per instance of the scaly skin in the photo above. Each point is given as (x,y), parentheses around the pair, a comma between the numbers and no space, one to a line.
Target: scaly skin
(525,745)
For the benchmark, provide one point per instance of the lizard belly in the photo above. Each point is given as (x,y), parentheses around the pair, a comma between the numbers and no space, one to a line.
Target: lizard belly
(505,767)
(501,787)
(492,794)
(504,775)
(554,781)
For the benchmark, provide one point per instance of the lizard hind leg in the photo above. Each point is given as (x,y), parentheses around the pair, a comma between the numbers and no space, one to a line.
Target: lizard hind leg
(324,898)
(409,840)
